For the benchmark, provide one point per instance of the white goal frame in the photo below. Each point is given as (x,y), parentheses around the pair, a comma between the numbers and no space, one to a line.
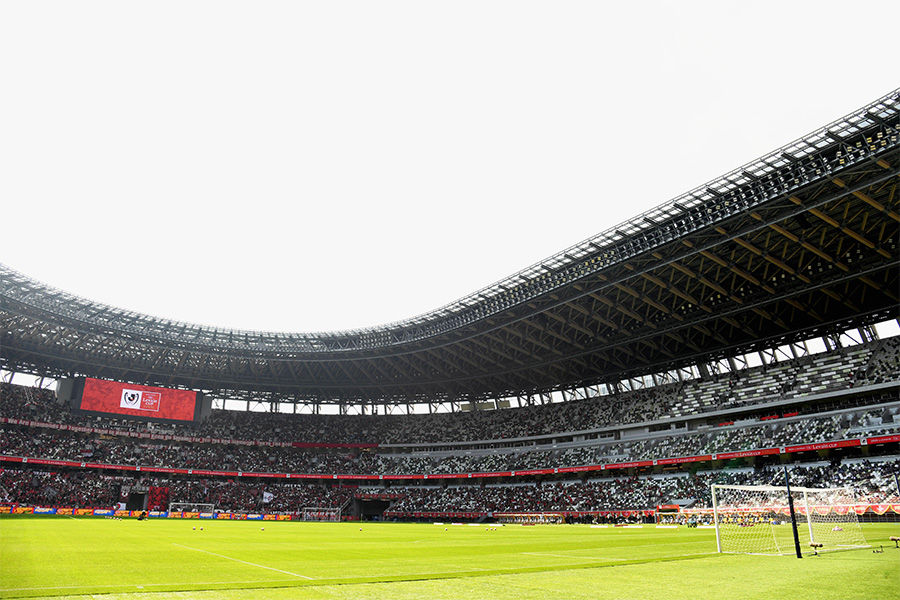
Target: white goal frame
(757,519)
(197,507)
(321,513)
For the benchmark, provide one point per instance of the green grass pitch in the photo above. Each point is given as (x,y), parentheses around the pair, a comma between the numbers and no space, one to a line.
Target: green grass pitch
(79,558)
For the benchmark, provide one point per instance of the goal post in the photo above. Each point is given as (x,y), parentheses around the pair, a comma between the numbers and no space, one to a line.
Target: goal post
(175,507)
(321,513)
(758,519)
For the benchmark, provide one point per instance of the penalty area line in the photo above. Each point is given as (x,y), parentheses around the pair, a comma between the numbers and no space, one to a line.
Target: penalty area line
(243,561)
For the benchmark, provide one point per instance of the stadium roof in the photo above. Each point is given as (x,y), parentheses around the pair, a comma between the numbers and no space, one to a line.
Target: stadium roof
(800,242)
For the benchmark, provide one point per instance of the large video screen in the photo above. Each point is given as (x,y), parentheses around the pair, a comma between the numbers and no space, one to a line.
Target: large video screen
(138,401)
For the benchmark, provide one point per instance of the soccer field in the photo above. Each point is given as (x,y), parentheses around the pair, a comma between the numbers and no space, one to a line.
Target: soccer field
(67,557)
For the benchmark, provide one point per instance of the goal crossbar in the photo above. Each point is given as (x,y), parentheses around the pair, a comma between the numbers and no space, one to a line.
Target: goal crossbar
(200,507)
(321,513)
(757,519)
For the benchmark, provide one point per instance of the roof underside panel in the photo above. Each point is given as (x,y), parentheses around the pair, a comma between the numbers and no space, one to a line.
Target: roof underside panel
(801,242)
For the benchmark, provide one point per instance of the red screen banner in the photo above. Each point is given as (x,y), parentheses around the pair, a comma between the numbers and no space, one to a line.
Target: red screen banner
(138,400)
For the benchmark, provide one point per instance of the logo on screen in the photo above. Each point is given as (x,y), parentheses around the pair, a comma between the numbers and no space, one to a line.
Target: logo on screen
(130,399)
(150,400)
(138,400)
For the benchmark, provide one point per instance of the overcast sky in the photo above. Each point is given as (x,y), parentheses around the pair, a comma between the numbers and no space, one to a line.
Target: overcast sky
(315,166)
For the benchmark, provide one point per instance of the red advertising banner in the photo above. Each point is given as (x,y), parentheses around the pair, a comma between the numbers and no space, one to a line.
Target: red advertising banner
(52,463)
(535,472)
(822,446)
(580,469)
(113,397)
(746,453)
(881,439)
(162,470)
(684,459)
(329,445)
(628,465)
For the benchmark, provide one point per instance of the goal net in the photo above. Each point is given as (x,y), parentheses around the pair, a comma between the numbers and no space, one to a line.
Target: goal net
(175,507)
(757,519)
(529,518)
(319,513)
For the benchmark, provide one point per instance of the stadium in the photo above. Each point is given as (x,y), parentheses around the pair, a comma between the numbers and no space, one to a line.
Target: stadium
(740,333)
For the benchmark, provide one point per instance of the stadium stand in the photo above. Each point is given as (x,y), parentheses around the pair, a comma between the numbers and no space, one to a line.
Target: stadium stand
(577,434)
(631,370)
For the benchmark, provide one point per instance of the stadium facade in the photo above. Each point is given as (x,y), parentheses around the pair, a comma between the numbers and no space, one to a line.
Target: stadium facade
(645,329)
(799,243)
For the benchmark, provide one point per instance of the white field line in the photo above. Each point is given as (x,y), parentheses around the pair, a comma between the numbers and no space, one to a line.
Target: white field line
(243,561)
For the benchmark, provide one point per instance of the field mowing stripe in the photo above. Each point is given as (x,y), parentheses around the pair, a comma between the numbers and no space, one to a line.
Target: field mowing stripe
(243,561)
(124,585)
(589,558)
(571,556)
(707,542)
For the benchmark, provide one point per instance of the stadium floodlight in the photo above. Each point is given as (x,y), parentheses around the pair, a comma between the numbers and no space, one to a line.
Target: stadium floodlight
(758,519)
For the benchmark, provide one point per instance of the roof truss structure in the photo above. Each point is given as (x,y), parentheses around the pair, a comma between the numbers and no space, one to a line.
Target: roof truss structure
(801,242)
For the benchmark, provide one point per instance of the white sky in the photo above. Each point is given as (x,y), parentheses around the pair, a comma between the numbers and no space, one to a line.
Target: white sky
(314,166)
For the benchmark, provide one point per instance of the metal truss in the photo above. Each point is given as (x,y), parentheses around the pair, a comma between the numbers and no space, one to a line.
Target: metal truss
(800,242)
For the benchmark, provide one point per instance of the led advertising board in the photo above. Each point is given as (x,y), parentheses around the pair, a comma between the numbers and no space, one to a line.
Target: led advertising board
(139,401)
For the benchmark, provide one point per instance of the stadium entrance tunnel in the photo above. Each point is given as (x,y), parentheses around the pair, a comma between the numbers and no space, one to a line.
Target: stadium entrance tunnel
(370,509)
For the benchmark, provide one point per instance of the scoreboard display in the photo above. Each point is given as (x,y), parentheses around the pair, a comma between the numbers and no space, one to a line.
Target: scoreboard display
(142,402)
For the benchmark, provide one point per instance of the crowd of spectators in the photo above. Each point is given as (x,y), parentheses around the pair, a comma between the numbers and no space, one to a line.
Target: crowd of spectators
(871,482)
(35,442)
(396,437)
(77,489)
(236,496)
(874,362)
